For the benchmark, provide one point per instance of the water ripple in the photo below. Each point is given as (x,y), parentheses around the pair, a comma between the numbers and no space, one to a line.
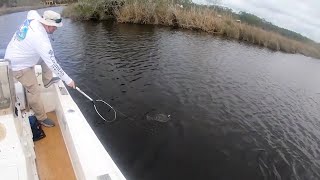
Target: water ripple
(236,111)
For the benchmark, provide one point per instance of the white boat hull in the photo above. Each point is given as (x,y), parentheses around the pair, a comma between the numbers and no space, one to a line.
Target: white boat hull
(89,158)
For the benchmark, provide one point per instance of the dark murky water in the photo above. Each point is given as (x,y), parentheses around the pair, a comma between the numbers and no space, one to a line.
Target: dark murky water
(193,106)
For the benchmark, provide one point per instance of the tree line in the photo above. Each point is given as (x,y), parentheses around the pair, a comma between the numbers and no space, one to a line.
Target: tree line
(261,23)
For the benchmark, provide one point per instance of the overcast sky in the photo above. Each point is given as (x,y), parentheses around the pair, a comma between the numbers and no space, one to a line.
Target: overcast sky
(302,16)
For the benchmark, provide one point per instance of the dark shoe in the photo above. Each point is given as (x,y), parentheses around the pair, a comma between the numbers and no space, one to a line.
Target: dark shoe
(52,81)
(47,123)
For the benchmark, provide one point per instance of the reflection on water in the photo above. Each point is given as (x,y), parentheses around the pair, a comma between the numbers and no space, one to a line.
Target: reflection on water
(235,111)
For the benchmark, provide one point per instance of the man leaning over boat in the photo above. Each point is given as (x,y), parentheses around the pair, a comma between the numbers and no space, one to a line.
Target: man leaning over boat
(30,45)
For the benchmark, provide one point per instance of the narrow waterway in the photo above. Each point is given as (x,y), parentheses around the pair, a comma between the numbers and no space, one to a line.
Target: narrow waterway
(192,106)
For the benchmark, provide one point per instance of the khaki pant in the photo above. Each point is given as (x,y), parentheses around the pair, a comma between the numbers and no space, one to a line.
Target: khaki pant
(28,79)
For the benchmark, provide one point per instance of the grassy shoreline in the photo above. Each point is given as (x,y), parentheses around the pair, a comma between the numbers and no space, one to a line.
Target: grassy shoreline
(194,17)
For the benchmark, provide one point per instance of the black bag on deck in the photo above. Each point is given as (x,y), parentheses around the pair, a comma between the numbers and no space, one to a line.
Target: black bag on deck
(36,128)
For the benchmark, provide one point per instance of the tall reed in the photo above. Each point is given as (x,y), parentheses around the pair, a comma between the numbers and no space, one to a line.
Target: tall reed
(167,13)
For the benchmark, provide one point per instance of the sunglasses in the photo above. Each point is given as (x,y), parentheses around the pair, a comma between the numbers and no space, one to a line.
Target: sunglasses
(57,20)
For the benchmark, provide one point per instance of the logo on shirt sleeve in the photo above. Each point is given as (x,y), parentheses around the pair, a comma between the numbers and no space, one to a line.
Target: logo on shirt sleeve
(51,52)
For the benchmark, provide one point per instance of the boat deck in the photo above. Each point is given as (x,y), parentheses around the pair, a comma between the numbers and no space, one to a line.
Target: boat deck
(52,157)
